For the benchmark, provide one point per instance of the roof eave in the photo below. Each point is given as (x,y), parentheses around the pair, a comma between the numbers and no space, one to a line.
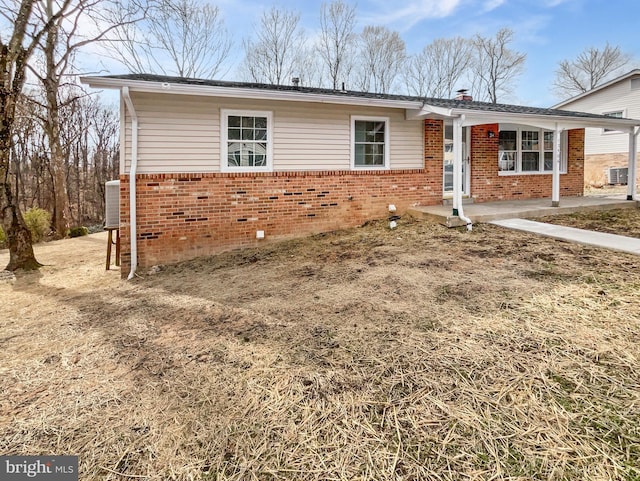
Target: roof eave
(548,121)
(243,92)
(479,117)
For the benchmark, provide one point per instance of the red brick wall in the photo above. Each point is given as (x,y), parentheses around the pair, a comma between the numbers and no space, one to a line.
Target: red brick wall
(182,216)
(487,185)
(434,152)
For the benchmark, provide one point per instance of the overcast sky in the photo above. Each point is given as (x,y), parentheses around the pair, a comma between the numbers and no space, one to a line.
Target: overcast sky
(547,30)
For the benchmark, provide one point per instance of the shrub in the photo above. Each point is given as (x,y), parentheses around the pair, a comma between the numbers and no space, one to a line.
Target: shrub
(78,231)
(38,221)
(3,237)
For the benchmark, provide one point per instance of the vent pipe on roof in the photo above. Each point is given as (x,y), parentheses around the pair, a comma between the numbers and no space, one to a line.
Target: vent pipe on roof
(462,95)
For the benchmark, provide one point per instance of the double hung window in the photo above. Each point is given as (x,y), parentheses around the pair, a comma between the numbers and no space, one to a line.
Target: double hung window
(527,151)
(246,141)
(370,142)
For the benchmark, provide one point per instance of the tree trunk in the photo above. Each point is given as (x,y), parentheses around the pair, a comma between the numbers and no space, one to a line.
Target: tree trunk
(21,255)
(13,65)
(59,220)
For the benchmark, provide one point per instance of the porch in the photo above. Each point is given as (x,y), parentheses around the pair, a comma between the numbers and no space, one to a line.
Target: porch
(523,209)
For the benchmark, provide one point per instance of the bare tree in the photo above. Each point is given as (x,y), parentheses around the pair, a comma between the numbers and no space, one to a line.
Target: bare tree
(64,37)
(89,142)
(273,55)
(16,48)
(28,163)
(184,37)
(382,55)
(590,68)
(52,29)
(436,70)
(496,66)
(105,155)
(308,67)
(337,40)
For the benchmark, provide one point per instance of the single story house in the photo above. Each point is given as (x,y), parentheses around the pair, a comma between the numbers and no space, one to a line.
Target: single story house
(607,150)
(209,165)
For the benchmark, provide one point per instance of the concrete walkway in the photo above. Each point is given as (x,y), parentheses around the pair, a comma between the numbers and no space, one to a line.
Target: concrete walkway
(571,234)
(521,209)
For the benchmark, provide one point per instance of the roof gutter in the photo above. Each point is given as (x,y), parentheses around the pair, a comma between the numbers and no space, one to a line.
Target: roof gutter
(132,182)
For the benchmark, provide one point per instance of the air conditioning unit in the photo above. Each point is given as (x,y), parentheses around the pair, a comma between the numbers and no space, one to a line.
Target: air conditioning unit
(112,204)
(617,175)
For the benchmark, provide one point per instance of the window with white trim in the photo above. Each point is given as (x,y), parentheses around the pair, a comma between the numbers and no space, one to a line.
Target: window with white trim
(618,114)
(524,150)
(246,141)
(370,142)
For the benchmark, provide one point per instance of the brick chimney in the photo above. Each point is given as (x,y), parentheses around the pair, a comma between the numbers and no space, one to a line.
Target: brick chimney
(462,95)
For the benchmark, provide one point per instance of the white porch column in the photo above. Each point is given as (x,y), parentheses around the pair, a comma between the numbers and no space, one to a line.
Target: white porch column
(633,164)
(555,181)
(457,163)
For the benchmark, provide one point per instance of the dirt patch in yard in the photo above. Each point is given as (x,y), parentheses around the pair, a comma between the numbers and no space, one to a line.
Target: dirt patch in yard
(418,353)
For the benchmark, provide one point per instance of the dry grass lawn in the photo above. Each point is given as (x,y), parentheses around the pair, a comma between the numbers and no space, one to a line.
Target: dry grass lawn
(422,353)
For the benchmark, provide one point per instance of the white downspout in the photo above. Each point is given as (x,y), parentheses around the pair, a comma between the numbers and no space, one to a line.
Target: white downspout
(632,178)
(457,171)
(133,232)
(555,179)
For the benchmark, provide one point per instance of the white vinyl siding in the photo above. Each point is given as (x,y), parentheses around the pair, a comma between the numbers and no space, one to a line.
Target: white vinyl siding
(619,97)
(181,133)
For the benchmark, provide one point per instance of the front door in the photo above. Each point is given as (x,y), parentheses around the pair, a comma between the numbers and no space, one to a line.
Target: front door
(447,168)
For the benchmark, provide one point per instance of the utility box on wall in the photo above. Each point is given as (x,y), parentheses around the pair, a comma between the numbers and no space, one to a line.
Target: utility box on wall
(112,204)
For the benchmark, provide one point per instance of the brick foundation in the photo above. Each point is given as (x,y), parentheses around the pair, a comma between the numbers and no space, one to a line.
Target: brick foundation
(184,216)
(488,185)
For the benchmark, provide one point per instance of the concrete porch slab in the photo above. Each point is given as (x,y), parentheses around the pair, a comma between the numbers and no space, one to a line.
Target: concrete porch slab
(523,209)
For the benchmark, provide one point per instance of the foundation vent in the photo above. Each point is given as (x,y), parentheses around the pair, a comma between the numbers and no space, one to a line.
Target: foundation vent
(112,204)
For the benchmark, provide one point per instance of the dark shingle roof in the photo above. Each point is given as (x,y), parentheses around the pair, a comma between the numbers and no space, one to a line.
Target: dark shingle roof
(260,86)
(470,105)
(508,108)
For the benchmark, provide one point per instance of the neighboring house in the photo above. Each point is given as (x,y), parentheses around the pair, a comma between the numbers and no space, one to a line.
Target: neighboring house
(217,165)
(607,150)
